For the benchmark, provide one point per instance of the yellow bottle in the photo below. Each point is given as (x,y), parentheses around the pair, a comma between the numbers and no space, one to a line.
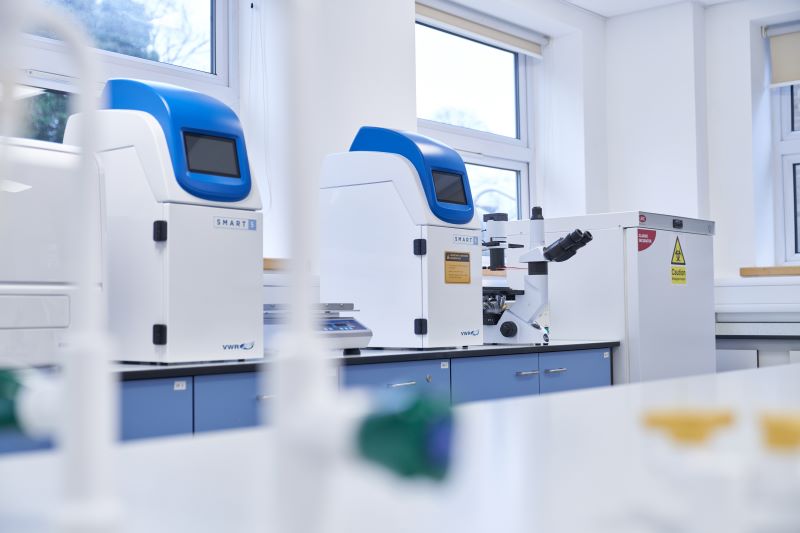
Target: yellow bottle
(697,479)
(774,485)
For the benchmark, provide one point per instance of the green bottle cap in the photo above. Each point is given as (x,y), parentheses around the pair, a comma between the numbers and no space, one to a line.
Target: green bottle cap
(413,442)
(9,387)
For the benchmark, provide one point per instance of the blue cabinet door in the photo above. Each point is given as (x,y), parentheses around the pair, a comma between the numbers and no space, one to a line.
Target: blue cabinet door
(156,407)
(226,401)
(494,376)
(574,370)
(14,441)
(430,377)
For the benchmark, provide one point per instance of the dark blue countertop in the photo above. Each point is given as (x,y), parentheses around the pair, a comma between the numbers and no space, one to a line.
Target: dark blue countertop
(133,371)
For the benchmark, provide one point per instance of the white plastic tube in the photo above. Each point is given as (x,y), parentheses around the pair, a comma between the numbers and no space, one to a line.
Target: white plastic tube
(307,424)
(89,419)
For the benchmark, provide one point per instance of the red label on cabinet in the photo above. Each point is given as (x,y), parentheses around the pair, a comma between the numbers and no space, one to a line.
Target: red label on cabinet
(646,238)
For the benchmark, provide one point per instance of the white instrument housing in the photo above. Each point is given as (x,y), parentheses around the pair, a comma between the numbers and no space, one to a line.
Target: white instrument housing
(37,225)
(373,208)
(203,282)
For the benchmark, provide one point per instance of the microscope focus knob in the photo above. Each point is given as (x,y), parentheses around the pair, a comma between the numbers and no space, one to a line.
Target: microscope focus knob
(508,329)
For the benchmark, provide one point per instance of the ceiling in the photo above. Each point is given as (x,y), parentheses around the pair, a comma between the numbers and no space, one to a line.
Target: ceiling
(612,8)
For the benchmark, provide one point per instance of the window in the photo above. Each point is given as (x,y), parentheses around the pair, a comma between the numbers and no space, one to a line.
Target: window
(466,83)
(795,173)
(46,113)
(787,150)
(184,42)
(495,190)
(795,90)
(472,94)
(177,32)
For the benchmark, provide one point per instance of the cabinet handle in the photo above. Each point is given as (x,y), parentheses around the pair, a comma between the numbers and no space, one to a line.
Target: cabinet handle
(523,373)
(555,370)
(404,384)
(264,397)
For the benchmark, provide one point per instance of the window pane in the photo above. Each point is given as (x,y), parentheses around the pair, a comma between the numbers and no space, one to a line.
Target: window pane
(177,32)
(796,209)
(494,190)
(795,107)
(43,113)
(465,83)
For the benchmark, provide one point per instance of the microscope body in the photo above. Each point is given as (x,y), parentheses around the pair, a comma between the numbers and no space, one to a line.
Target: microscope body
(516,323)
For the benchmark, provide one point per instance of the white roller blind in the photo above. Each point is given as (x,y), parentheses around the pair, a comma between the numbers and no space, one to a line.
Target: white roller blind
(470,28)
(784,49)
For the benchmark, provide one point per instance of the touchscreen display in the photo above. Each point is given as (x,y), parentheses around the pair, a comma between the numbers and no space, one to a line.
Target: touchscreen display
(207,154)
(449,187)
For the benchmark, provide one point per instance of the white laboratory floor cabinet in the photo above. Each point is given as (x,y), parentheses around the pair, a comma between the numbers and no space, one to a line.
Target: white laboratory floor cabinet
(646,279)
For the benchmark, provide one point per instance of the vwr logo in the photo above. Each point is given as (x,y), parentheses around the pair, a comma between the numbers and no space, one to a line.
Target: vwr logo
(244,346)
(469,240)
(247,224)
(471,333)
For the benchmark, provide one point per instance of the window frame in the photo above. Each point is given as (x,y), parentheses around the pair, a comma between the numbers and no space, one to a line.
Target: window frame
(788,162)
(787,115)
(46,63)
(490,149)
(520,167)
(786,156)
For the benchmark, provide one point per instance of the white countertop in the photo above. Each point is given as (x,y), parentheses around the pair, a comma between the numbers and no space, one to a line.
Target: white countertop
(758,307)
(758,329)
(767,299)
(572,462)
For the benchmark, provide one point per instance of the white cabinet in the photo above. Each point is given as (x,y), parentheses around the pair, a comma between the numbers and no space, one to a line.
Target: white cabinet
(647,279)
(736,360)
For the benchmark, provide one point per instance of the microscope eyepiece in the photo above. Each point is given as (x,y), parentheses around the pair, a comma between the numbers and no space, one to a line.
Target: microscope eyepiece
(565,247)
(576,236)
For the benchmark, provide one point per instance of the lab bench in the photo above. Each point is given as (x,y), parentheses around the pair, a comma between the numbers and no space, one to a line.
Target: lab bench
(574,462)
(158,401)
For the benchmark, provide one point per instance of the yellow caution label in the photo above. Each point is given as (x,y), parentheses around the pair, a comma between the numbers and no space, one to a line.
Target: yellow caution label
(677,253)
(678,275)
(456,267)
(678,266)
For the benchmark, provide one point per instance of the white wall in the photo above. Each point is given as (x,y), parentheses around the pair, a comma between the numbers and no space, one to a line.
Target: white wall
(355,67)
(740,174)
(569,140)
(360,70)
(689,121)
(560,141)
(665,110)
(656,110)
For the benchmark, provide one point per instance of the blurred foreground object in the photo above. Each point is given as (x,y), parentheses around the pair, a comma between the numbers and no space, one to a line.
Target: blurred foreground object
(413,442)
(689,463)
(773,494)
(689,426)
(87,404)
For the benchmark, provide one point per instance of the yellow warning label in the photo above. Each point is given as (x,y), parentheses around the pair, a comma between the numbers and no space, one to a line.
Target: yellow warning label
(678,266)
(678,275)
(456,267)
(677,253)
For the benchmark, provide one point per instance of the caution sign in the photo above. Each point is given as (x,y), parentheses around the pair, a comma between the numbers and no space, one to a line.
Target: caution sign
(456,267)
(678,275)
(678,266)
(677,253)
